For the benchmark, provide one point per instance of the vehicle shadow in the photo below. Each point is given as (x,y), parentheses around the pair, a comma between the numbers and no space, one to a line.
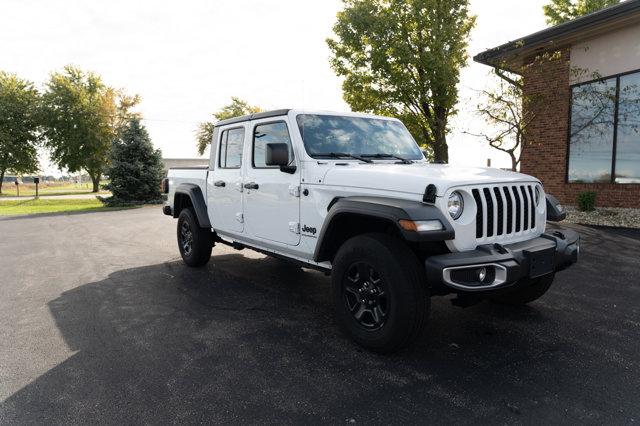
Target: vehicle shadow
(255,340)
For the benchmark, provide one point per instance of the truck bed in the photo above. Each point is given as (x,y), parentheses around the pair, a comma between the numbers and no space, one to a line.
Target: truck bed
(196,175)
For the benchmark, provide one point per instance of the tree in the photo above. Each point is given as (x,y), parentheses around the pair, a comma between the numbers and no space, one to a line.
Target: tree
(403,58)
(236,108)
(18,125)
(81,116)
(508,113)
(135,168)
(559,11)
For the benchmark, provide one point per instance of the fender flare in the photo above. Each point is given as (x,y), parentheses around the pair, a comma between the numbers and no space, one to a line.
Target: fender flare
(389,209)
(197,200)
(555,210)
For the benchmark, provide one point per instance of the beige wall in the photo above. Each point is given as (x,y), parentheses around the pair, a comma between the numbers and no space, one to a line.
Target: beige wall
(613,53)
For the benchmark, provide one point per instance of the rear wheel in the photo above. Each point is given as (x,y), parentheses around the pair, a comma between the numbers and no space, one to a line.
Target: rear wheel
(527,294)
(194,242)
(380,292)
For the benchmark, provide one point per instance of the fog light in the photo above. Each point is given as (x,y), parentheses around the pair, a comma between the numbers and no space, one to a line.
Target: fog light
(482,274)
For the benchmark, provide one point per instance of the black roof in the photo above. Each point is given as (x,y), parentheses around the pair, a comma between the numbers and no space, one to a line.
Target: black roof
(556,36)
(265,114)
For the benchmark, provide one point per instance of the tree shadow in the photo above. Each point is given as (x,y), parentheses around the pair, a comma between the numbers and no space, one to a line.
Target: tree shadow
(255,340)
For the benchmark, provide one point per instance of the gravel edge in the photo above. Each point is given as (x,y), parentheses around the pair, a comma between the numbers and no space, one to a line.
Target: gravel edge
(605,216)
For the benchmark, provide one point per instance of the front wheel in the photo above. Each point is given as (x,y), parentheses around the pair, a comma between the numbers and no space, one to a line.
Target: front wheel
(380,292)
(194,242)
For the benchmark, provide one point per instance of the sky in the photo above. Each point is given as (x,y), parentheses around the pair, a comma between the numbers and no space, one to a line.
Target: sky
(187,59)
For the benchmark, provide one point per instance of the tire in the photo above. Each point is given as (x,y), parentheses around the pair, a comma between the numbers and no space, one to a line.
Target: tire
(194,242)
(385,273)
(534,291)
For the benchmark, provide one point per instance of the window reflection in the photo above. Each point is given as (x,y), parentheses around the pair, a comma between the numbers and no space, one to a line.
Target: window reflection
(324,134)
(234,148)
(269,133)
(628,138)
(231,143)
(591,132)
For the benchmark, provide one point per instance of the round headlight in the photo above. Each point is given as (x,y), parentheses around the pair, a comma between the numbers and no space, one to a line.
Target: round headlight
(455,205)
(538,194)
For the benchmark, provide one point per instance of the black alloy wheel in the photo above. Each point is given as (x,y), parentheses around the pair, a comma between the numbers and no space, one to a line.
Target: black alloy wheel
(195,243)
(186,238)
(366,296)
(380,292)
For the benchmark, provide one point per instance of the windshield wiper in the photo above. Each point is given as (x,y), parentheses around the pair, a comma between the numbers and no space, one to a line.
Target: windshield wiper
(380,155)
(343,154)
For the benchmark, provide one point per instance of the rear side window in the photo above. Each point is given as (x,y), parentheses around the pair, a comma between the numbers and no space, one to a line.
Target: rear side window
(231,144)
(264,134)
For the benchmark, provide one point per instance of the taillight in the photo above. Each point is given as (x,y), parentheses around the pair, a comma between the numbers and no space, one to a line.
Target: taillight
(164,186)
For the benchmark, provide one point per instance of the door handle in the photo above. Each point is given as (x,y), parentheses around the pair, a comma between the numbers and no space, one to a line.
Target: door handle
(219,183)
(251,185)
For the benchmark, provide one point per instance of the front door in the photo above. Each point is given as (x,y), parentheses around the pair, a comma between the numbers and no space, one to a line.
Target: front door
(271,197)
(224,184)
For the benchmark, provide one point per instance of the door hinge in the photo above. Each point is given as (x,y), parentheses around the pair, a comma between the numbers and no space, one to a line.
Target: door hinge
(294,190)
(294,227)
(240,217)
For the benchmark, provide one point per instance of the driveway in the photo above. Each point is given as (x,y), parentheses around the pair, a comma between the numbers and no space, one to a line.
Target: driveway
(100,322)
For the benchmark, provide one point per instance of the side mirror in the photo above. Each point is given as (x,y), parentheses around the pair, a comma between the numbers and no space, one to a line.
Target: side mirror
(278,155)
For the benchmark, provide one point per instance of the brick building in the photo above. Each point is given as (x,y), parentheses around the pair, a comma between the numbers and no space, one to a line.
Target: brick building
(583,80)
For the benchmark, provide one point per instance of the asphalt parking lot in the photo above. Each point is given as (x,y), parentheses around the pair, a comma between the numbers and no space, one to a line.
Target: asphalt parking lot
(100,322)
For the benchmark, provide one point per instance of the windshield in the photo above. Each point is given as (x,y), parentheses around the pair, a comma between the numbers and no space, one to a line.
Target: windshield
(326,134)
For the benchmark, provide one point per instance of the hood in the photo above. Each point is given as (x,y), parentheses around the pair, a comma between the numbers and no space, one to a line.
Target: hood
(414,178)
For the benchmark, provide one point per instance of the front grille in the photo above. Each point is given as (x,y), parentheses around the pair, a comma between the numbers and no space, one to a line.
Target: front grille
(503,210)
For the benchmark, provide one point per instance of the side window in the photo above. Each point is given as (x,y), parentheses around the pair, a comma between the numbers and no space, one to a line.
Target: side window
(269,133)
(231,143)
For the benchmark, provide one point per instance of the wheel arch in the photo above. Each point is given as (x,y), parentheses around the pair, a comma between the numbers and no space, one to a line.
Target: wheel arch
(351,216)
(190,195)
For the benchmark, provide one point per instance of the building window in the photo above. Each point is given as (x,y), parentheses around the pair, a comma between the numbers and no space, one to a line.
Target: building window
(604,135)
(628,137)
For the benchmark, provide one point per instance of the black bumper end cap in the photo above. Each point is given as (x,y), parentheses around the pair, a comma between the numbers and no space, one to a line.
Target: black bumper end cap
(167,210)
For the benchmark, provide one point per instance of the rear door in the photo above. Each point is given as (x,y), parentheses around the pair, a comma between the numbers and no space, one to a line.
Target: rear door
(271,197)
(224,183)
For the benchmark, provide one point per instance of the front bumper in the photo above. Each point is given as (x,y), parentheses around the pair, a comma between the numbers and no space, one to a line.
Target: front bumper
(503,266)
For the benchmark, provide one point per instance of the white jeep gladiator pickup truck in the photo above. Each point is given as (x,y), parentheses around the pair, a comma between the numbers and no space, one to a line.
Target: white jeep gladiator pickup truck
(352,195)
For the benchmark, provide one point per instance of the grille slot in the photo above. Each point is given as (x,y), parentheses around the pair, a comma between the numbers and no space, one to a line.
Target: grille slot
(500,212)
(533,206)
(507,196)
(489,201)
(479,214)
(504,210)
(525,201)
(514,189)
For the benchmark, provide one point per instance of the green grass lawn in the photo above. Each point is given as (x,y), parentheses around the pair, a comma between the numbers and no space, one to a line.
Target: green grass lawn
(20,207)
(29,189)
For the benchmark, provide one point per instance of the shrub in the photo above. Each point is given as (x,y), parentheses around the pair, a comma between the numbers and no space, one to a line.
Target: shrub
(586,201)
(136,168)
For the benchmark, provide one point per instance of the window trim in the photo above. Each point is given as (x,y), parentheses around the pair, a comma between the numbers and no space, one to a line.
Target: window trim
(222,133)
(614,147)
(253,143)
